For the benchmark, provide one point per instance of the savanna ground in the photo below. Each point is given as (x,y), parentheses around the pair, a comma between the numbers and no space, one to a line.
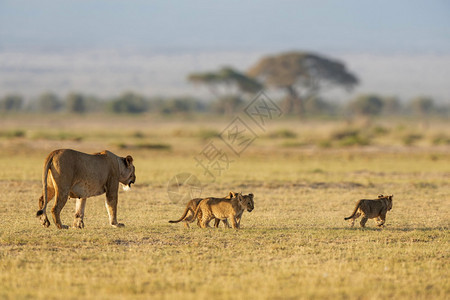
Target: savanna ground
(306,177)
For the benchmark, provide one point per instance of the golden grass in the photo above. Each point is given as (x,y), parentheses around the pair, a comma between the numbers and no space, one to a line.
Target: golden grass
(295,244)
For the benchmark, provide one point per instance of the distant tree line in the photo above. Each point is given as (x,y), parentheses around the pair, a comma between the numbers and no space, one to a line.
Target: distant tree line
(134,103)
(300,76)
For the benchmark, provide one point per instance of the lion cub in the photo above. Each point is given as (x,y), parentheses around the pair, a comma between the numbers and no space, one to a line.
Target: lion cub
(370,209)
(191,206)
(220,208)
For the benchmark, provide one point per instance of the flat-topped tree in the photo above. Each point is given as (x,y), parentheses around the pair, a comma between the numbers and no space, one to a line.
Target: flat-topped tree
(228,85)
(302,75)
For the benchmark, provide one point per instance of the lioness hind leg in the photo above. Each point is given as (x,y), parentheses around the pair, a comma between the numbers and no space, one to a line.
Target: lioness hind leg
(50,194)
(79,213)
(44,219)
(61,199)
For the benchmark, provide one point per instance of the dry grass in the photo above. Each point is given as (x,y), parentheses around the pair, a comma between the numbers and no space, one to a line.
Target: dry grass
(295,244)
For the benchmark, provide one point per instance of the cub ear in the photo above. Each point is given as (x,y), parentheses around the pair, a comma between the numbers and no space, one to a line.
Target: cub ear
(251,195)
(128,160)
(231,194)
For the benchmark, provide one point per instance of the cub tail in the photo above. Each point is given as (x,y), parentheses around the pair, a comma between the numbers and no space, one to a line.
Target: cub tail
(354,211)
(183,216)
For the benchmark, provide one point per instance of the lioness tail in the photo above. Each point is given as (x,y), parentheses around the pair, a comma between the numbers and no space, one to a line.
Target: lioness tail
(47,167)
(354,211)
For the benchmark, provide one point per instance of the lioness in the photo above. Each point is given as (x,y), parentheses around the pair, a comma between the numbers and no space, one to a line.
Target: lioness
(69,173)
(191,206)
(370,209)
(222,208)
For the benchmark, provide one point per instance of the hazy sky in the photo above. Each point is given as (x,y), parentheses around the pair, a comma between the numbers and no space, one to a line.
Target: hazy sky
(103,47)
(320,25)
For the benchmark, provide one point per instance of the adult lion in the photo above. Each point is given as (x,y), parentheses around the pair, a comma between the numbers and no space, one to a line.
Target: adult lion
(69,173)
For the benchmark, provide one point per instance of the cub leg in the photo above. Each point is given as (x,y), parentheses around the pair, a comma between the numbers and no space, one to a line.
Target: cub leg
(383,219)
(79,213)
(188,219)
(234,223)
(226,223)
(186,224)
(363,221)
(199,218)
(206,218)
(356,216)
(61,199)
(216,223)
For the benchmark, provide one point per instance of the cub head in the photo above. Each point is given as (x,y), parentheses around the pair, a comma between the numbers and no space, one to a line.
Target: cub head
(127,175)
(389,198)
(246,201)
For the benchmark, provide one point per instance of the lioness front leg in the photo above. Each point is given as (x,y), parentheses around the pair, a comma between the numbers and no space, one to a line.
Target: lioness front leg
(79,213)
(111,208)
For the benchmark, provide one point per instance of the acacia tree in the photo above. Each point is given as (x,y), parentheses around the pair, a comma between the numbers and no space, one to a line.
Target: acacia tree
(228,85)
(302,75)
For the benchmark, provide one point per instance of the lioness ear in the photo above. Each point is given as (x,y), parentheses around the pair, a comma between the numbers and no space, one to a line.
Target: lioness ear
(128,160)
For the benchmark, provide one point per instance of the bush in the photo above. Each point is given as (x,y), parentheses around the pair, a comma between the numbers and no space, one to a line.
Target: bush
(11,103)
(282,133)
(129,103)
(367,105)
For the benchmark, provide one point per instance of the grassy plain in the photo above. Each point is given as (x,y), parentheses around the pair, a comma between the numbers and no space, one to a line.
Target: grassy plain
(306,177)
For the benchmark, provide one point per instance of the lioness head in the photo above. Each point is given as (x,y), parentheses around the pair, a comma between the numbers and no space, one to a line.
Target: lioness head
(127,176)
(246,201)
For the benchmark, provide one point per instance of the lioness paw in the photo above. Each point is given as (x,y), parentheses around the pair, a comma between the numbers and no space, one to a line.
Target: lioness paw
(78,224)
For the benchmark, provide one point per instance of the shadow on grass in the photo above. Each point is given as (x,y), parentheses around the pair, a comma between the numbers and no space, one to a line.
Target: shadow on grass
(402,229)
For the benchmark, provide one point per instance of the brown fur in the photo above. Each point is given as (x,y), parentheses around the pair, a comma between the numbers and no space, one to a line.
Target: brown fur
(191,206)
(222,208)
(69,173)
(370,209)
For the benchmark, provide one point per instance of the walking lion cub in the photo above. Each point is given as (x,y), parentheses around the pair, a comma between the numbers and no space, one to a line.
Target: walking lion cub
(191,206)
(223,209)
(370,209)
